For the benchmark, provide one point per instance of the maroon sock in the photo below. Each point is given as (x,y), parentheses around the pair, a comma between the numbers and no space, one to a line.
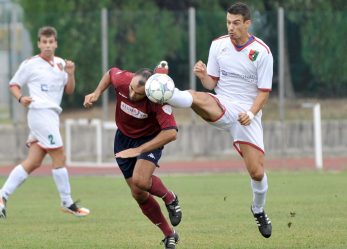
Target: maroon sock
(158,189)
(152,210)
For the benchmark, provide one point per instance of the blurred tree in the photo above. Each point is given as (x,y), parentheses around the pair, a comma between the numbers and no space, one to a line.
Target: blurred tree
(139,32)
(143,32)
(314,32)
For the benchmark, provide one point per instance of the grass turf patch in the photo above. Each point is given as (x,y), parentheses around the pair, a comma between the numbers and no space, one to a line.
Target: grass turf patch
(307,210)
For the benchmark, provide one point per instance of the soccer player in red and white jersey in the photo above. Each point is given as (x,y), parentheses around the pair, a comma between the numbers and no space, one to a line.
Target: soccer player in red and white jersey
(143,130)
(239,70)
(47,77)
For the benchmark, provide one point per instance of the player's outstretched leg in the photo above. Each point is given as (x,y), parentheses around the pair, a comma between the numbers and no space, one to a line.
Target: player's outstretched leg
(263,222)
(2,206)
(175,212)
(75,210)
(171,241)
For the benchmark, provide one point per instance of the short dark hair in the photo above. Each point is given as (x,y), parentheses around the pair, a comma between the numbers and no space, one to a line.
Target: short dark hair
(240,9)
(145,73)
(47,31)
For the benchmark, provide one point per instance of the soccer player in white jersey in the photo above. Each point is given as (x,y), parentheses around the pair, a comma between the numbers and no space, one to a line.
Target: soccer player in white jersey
(239,70)
(47,77)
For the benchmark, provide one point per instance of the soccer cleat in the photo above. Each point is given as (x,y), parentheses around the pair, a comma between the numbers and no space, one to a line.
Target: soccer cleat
(2,207)
(171,241)
(76,210)
(162,67)
(263,222)
(175,213)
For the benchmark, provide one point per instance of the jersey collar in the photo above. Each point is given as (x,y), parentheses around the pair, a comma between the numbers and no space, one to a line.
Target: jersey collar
(251,39)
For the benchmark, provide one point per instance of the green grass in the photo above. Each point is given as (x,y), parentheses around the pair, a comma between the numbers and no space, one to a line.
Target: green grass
(308,210)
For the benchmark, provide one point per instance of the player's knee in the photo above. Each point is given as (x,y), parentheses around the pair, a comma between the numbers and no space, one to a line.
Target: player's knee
(141,183)
(199,98)
(139,195)
(257,174)
(30,166)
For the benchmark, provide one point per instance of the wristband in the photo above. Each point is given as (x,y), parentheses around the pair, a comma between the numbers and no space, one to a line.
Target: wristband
(250,115)
(20,98)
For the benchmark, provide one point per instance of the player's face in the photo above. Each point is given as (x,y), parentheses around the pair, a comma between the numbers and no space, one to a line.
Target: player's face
(47,45)
(136,91)
(238,28)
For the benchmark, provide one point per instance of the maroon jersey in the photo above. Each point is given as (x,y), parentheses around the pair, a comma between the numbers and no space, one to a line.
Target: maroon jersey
(140,118)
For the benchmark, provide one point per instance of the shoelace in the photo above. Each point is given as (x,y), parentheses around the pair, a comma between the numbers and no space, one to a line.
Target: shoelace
(262,220)
(168,241)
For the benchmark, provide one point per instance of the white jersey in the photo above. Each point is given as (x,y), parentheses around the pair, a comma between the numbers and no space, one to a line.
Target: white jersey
(241,71)
(45,80)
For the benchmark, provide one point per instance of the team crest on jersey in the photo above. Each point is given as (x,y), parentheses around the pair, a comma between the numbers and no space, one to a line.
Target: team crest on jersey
(253,54)
(60,66)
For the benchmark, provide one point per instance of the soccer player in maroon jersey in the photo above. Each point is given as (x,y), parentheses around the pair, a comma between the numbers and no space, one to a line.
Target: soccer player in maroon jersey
(144,128)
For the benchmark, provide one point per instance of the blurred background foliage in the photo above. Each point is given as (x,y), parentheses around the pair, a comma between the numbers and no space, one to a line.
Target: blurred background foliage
(143,32)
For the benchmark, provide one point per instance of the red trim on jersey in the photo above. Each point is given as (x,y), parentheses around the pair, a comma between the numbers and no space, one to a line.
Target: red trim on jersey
(221,37)
(265,89)
(248,143)
(220,105)
(267,49)
(15,85)
(214,77)
(239,48)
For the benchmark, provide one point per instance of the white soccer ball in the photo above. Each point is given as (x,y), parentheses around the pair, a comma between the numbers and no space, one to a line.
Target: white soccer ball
(159,88)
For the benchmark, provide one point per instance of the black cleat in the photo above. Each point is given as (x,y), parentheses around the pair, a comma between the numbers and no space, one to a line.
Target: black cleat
(2,207)
(175,213)
(171,241)
(264,223)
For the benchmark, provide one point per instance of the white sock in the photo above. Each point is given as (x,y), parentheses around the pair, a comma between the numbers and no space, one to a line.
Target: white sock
(259,194)
(17,176)
(181,99)
(61,179)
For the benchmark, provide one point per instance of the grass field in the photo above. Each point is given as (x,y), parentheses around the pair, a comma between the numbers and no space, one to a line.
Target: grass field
(308,210)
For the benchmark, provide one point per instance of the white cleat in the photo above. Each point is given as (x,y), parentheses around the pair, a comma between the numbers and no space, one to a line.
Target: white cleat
(76,210)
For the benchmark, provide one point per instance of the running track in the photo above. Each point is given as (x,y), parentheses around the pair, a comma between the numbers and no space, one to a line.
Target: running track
(200,166)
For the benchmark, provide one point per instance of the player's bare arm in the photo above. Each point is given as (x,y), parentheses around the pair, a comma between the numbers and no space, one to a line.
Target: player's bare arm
(200,70)
(245,118)
(23,100)
(94,96)
(70,70)
(164,137)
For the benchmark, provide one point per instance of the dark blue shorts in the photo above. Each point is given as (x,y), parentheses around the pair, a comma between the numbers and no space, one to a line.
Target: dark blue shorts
(123,142)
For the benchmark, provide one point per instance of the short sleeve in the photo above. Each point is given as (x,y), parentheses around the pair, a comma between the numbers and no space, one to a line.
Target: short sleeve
(21,76)
(212,64)
(265,72)
(165,117)
(119,76)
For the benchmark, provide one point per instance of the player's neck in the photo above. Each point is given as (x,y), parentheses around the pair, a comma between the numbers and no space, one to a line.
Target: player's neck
(242,40)
(48,58)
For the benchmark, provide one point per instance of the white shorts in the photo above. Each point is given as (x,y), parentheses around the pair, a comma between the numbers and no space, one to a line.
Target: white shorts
(251,134)
(44,128)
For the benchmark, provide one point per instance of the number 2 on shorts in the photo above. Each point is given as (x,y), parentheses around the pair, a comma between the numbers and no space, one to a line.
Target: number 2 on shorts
(50,137)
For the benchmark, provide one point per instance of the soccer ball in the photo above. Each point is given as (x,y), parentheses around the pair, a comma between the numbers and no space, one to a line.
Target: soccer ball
(159,88)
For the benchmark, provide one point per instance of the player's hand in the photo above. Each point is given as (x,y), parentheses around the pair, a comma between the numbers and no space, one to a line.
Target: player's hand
(163,67)
(69,67)
(128,153)
(26,100)
(90,99)
(244,119)
(200,69)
